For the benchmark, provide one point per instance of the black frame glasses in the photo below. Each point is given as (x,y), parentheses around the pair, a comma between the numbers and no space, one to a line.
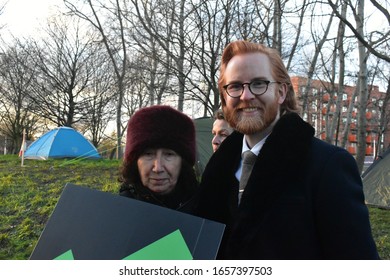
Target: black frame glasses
(256,87)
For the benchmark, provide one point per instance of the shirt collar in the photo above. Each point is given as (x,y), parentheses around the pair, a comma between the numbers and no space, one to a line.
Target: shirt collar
(256,148)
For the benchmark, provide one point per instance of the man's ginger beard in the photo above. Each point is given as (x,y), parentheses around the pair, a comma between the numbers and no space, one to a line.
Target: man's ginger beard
(250,125)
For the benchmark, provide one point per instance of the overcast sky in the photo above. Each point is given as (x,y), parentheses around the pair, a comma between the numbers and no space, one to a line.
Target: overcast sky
(24,17)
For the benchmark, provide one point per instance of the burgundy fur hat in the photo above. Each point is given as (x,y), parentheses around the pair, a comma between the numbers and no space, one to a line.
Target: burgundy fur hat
(160,126)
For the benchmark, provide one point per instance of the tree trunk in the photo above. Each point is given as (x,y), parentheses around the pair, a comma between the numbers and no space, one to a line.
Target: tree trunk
(363,90)
(340,89)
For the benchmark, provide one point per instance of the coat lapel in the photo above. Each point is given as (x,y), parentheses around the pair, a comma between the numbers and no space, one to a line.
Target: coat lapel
(280,162)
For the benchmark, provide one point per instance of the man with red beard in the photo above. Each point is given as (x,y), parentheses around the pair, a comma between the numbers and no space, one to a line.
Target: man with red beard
(304,197)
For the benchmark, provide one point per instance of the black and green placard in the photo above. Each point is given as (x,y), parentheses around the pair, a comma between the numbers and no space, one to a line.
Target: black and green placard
(87,224)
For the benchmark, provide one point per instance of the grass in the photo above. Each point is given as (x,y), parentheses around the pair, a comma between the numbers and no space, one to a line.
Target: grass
(29,194)
(380,224)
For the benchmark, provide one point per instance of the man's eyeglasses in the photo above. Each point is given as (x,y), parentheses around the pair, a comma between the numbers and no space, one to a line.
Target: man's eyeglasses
(257,87)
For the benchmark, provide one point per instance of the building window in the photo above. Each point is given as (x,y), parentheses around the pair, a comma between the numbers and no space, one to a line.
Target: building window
(314,105)
(314,120)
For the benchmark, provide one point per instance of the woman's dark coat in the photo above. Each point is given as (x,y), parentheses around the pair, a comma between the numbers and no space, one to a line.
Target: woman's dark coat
(179,199)
(303,200)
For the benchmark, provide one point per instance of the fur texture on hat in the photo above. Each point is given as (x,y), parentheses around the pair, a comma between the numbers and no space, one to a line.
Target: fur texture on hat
(160,126)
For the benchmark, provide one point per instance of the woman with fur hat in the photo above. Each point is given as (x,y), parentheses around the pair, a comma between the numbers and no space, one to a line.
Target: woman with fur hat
(159,158)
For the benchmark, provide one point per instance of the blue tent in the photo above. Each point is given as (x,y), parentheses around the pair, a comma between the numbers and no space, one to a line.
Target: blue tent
(61,142)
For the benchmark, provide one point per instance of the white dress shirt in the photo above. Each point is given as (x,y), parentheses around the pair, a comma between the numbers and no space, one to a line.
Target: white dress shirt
(256,150)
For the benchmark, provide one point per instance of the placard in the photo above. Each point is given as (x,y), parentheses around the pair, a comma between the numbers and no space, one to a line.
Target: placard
(88,224)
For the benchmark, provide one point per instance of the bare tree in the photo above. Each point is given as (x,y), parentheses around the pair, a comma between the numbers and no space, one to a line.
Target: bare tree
(382,106)
(177,16)
(382,38)
(99,97)
(212,20)
(298,29)
(64,73)
(277,30)
(15,107)
(336,90)
(319,41)
(108,21)
(136,95)
(348,122)
(2,6)
(152,60)
(385,117)
(341,81)
(363,87)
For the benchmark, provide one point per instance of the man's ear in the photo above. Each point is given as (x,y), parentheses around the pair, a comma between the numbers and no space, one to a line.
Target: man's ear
(282,93)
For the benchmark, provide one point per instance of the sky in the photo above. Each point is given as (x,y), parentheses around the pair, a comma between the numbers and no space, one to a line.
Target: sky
(24,17)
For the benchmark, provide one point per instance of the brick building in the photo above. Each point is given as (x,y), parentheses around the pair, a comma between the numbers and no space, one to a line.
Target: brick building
(321,111)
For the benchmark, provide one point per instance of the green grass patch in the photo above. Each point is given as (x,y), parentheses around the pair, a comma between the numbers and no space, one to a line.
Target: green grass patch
(380,223)
(29,194)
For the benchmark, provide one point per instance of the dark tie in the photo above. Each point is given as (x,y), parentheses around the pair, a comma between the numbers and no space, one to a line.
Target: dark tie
(248,160)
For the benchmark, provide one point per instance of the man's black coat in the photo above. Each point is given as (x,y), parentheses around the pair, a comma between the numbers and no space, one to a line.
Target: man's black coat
(303,200)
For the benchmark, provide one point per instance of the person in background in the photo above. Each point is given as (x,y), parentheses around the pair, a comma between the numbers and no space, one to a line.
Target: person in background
(221,129)
(304,197)
(159,158)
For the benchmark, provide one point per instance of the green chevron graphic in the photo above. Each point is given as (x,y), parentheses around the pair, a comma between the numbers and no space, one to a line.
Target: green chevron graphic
(68,255)
(169,247)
